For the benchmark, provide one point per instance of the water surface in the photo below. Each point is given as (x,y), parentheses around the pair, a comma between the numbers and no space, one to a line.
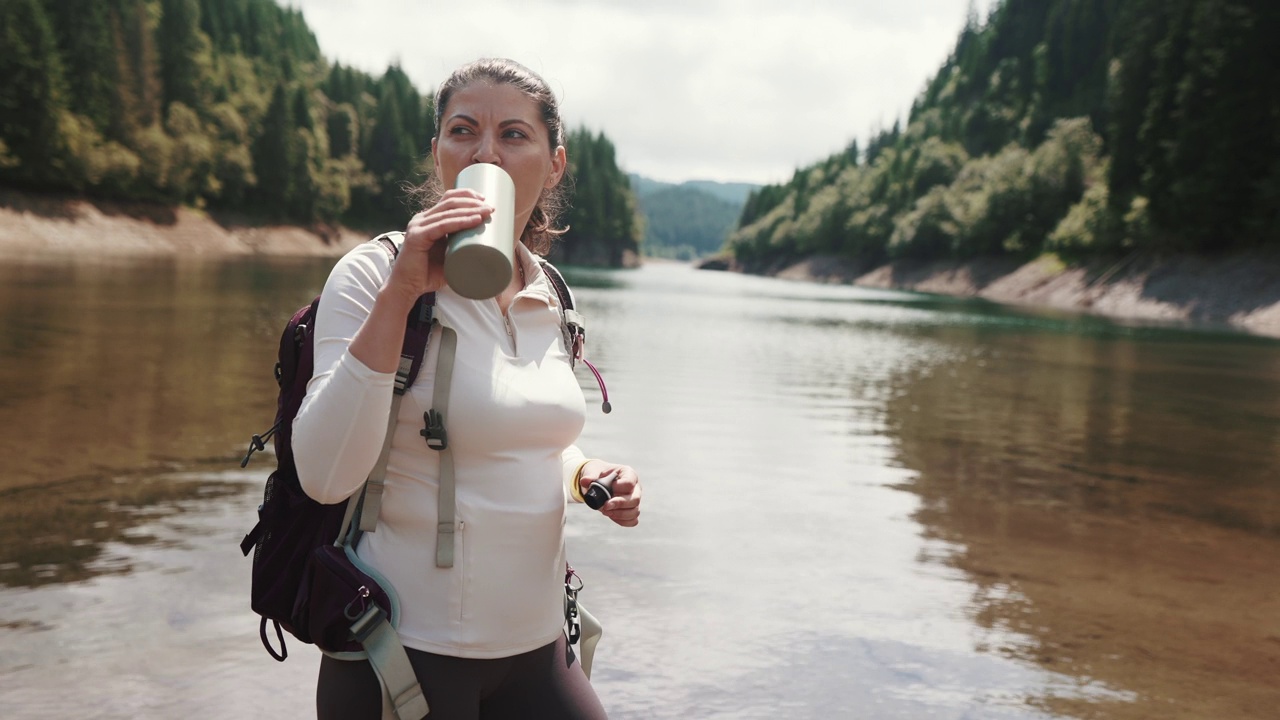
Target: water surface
(858,503)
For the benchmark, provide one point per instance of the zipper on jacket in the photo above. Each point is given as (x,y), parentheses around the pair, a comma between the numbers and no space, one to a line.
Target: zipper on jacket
(511,334)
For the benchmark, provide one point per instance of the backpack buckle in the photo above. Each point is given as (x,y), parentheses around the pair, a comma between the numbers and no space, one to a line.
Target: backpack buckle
(364,626)
(434,432)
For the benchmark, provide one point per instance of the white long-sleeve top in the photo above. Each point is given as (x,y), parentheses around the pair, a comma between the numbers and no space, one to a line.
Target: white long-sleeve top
(515,410)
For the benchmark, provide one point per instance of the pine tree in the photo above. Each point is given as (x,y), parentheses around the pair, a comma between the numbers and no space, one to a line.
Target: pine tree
(343,130)
(274,157)
(305,160)
(603,221)
(139,64)
(301,109)
(1160,119)
(183,54)
(1221,149)
(86,46)
(32,96)
(391,150)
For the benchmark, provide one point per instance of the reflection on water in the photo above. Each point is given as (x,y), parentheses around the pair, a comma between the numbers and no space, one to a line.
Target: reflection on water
(858,503)
(170,638)
(114,373)
(1115,503)
(56,533)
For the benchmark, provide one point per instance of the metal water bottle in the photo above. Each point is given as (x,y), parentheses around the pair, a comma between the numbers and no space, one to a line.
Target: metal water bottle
(478,261)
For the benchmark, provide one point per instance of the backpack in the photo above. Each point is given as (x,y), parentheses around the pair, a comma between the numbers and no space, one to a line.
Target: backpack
(300,545)
(290,524)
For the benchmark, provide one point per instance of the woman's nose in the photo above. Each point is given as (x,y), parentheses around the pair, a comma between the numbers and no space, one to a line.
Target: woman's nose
(486,152)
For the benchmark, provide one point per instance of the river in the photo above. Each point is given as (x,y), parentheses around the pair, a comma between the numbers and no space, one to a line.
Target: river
(858,504)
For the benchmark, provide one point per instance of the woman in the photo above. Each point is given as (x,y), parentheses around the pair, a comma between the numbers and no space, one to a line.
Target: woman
(484,636)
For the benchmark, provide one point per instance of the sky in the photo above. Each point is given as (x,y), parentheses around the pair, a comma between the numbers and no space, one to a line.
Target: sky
(727,90)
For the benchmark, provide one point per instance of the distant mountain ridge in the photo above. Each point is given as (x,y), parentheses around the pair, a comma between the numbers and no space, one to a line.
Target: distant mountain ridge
(688,220)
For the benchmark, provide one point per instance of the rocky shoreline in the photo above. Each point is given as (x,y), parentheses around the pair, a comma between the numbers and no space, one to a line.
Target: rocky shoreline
(1239,292)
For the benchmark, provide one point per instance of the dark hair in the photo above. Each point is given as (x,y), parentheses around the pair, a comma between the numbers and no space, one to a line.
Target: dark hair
(542,229)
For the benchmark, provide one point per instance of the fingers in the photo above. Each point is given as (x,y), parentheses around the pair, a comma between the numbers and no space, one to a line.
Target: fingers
(624,516)
(421,269)
(624,507)
(457,210)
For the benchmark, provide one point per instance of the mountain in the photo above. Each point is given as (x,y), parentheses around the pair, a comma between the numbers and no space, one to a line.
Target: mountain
(733,193)
(687,220)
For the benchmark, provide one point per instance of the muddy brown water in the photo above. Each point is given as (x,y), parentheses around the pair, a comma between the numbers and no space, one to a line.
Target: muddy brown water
(858,503)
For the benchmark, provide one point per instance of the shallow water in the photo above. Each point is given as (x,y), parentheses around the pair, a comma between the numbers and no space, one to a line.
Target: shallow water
(858,503)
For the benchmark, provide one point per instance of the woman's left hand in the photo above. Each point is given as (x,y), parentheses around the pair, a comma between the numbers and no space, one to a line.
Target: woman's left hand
(624,507)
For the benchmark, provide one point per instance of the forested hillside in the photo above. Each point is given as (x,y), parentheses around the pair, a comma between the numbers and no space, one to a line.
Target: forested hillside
(1080,127)
(229,105)
(689,220)
(604,223)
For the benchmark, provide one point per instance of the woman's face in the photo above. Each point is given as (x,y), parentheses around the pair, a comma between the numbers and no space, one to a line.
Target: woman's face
(498,124)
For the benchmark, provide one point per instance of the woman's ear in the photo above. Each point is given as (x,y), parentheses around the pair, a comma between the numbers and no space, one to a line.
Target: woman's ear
(435,166)
(559,161)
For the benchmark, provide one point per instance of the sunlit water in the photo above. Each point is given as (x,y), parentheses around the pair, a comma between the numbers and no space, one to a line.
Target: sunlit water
(857,504)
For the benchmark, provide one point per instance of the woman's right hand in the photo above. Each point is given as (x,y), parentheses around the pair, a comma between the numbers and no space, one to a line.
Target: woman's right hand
(420,267)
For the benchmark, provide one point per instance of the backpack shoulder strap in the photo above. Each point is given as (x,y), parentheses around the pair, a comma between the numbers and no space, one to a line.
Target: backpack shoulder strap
(391,242)
(574,328)
(417,334)
(437,439)
(557,282)
(572,324)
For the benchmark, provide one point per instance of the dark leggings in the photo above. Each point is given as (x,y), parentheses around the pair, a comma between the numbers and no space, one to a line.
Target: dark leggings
(543,683)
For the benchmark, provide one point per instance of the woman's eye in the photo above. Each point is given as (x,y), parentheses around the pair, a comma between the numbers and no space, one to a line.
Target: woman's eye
(460,130)
(514,134)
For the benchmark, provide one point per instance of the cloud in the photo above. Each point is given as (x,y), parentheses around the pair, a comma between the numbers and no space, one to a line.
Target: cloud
(719,89)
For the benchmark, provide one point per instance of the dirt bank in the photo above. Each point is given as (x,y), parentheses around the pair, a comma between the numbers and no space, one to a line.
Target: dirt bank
(1241,291)
(38,226)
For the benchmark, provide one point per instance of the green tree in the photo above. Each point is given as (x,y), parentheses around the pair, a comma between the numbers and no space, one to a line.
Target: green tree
(391,160)
(1224,141)
(138,64)
(306,160)
(191,173)
(88,50)
(32,97)
(233,169)
(343,126)
(604,224)
(274,157)
(184,54)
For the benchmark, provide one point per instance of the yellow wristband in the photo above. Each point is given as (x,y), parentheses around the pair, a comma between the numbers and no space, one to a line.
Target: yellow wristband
(576,489)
